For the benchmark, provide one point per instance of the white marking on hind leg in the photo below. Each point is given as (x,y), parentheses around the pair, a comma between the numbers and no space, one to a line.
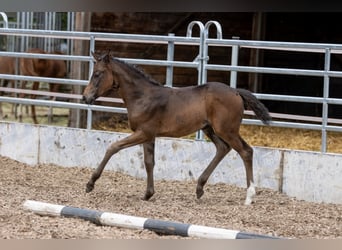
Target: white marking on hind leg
(250,193)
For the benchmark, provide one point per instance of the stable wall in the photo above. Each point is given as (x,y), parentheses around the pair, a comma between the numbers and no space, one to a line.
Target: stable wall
(309,176)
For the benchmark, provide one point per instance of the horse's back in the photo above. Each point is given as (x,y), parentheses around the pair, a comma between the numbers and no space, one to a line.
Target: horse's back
(219,90)
(55,68)
(223,104)
(32,66)
(189,109)
(43,67)
(7,65)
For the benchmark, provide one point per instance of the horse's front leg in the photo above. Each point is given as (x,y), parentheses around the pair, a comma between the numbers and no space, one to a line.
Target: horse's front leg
(222,149)
(131,140)
(149,165)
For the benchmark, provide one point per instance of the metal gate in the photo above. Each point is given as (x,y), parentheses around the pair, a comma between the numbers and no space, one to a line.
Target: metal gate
(39,21)
(201,63)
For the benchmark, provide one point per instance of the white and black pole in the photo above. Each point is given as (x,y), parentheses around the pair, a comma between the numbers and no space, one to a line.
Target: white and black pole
(133,222)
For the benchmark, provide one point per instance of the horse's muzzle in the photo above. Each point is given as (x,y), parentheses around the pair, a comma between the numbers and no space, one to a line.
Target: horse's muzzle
(88,100)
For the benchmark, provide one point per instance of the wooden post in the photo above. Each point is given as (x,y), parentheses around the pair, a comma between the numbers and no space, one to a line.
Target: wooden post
(79,70)
(256,56)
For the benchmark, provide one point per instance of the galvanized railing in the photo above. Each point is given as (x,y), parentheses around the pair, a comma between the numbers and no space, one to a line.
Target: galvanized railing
(325,73)
(92,37)
(200,63)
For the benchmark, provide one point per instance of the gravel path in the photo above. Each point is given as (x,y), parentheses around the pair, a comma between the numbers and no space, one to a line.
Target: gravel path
(221,206)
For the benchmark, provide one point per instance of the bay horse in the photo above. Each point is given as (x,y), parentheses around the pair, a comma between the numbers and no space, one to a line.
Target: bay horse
(42,68)
(155,110)
(7,66)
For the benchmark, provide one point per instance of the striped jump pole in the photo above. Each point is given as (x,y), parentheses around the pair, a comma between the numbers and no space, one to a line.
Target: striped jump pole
(133,222)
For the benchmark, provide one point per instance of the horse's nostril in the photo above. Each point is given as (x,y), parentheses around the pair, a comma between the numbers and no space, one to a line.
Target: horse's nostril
(88,100)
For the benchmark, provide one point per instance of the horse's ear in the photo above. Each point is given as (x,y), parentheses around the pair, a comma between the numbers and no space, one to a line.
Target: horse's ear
(96,56)
(107,57)
(111,54)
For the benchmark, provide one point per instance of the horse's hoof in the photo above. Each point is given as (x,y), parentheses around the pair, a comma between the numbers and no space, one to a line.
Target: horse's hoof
(147,196)
(199,193)
(89,188)
(250,194)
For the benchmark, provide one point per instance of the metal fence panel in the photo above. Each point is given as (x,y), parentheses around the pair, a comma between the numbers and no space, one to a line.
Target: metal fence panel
(201,63)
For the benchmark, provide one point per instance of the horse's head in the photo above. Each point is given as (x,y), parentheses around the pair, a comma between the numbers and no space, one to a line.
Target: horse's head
(102,80)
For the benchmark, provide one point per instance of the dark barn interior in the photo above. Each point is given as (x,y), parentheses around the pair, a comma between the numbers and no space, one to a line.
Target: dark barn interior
(271,26)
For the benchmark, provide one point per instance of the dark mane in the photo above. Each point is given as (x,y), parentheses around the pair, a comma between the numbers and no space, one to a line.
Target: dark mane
(138,70)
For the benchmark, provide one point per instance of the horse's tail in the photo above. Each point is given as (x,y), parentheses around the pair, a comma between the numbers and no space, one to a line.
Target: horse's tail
(251,102)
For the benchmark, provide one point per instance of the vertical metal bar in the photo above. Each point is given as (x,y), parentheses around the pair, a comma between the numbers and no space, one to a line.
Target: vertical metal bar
(5,19)
(23,24)
(16,48)
(46,27)
(325,97)
(199,134)
(170,57)
(202,60)
(91,49)
(199,58)
(218,29)
(205,45)
(53,27)
(5,25)
(27,23)
(89,118)
(205,58)
(72,28)
(91,66)
(69,28)
(234,62)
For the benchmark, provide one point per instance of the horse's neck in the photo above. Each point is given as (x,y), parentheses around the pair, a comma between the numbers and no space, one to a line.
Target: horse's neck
(132,90)
(133,86)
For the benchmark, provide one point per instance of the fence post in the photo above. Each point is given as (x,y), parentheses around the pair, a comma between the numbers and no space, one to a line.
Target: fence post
(325,97)
(200,58)
(170,57)
(4,17)
(77,117)
(3,39)
(90,72)
(205,45)
(91,49)
(89,117)
(234,62)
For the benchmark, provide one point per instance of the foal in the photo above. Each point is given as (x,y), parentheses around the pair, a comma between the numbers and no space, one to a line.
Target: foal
(7,66)
(43,68)
(154,110)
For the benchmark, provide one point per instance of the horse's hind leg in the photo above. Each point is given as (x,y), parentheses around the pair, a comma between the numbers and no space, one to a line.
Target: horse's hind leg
(131,140)
(149,165)
(246,153)
(222,148)
(35,86)
(53,88)
(20,106)
(50,111)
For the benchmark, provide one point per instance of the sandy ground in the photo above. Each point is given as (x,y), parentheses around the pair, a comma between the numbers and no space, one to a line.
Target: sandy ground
(222,206)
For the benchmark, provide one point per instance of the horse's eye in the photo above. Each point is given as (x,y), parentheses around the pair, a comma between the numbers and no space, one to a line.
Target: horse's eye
(97,73)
